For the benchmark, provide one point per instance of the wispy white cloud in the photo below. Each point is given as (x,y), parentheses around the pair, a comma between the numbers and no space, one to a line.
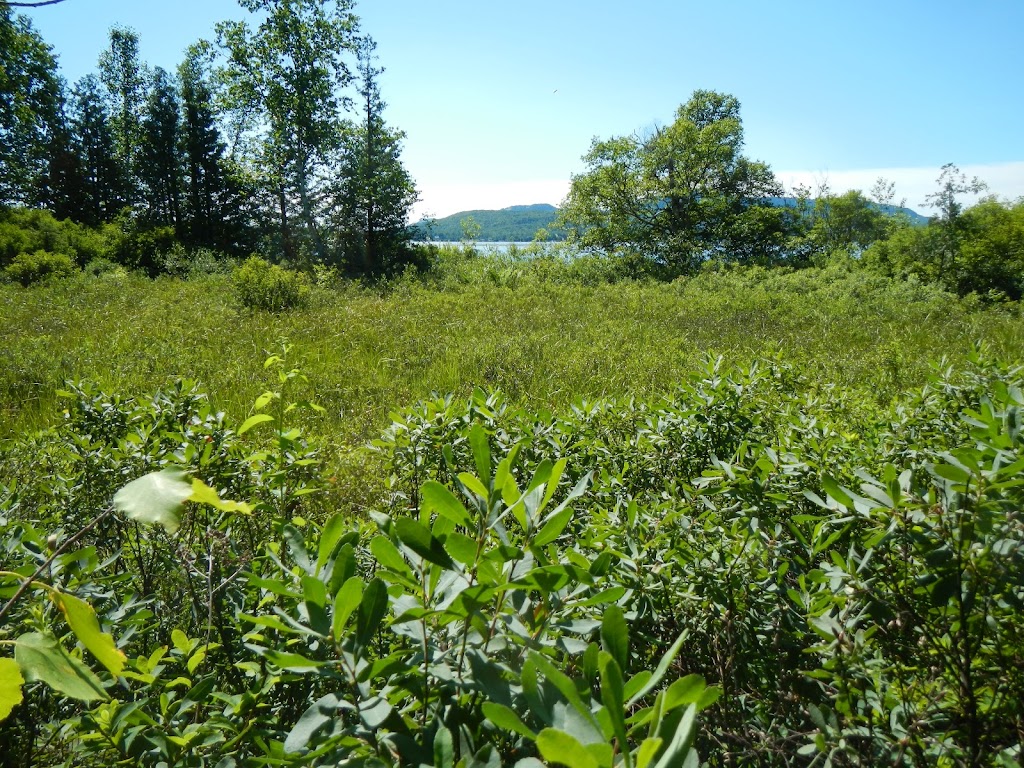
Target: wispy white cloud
(1004,180)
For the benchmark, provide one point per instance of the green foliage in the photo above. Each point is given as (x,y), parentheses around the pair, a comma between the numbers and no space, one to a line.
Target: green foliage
(29,268)
(134,244)
(680,196)
(374,193)
(24,230)
(261,285)
(283,81)
(823,584)
(30,104)
(981,251)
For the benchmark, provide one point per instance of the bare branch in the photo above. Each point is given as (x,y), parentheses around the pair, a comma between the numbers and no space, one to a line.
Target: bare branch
(30,5)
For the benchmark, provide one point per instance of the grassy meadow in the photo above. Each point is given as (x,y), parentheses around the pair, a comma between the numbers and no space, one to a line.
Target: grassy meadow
(368,351)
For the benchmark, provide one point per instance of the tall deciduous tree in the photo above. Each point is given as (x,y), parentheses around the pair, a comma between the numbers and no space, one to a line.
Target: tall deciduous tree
(30,105)
(681,195)
(946,199)
(374,193)
(287,77)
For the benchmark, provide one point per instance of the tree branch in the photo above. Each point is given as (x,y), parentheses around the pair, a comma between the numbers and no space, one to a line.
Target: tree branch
(29,5)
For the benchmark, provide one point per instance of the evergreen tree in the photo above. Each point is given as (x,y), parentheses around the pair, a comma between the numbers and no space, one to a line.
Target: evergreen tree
(101,180)
(161,168)
(215,206)
(374,194)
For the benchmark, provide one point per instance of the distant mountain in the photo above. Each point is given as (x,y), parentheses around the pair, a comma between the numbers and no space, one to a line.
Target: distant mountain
(515,224)
(519,223)
(890,210)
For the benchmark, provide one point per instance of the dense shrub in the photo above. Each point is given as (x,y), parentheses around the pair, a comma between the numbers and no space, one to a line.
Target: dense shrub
(261,285)
(189,264)
(29,268)
(24,230)
(136,245)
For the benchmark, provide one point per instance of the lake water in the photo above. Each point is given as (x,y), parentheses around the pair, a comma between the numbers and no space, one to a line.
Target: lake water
(484,246)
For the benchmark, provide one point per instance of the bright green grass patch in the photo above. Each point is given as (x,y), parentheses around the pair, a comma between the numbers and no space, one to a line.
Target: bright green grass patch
(366,353)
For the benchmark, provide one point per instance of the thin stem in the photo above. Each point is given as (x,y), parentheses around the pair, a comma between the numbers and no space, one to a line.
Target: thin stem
(68,543)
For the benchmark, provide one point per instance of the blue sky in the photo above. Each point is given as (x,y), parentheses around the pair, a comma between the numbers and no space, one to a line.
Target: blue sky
(500,100)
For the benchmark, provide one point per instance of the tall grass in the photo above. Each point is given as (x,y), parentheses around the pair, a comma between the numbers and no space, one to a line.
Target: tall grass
(366,352)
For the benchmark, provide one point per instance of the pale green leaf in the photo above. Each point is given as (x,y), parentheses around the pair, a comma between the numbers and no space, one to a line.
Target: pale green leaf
(253,421)
(43,660)
(10,686)
(83,622)
(155,499)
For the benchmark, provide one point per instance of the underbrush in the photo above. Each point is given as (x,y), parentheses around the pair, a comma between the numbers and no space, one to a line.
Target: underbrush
(750,565)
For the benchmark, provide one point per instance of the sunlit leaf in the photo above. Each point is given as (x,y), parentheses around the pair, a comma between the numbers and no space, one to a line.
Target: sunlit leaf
(42,659)
(11,682)
(83,622)
(253,421)
(155,499)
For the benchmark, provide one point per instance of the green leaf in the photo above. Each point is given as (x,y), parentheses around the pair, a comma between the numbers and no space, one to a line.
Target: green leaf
(679,747)
(253,421)
(444,749)
(320,714)
(686,690)
(613,698)
(414,535)
(435,497)
(481,451)
(506,719)
(837,492)
(659,673)
(372,607)
(83,622)
(347,600)
(552,482)
(473,484)
(263,400)
(461,548)
(648,749)
(204,494)
(559,747)
(42,659)
(565,686)
(10,687)
(155,499)
(329,538)
(952,473)
(615,635)
(292,662)
(553,527)
(387,554)
(296,543)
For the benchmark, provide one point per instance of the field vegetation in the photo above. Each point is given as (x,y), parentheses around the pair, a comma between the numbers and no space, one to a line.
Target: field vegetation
(759,489)
(717,481)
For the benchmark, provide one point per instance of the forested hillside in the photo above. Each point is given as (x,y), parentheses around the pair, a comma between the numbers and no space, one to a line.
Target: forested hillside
(516,224)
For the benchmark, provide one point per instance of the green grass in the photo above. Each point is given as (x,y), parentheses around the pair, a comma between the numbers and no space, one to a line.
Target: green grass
(367,352)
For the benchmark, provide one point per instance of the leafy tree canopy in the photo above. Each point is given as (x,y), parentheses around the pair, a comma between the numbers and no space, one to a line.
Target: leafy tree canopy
(682,194)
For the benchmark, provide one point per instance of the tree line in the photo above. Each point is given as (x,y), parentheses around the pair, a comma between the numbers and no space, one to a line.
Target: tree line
(267,138)
(683,196)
